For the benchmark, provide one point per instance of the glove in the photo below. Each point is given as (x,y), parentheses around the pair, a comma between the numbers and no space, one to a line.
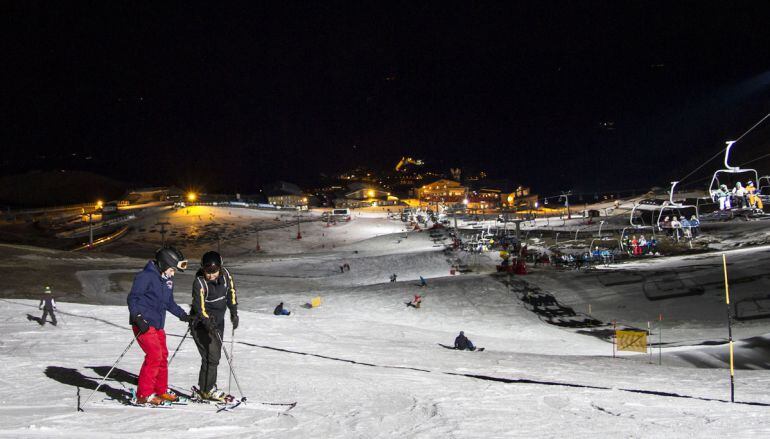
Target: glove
(185,318)
(141,323)
(234,320)
(210,323)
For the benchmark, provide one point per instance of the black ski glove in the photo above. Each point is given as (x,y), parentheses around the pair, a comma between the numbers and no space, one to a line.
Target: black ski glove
(185,318)
(141,323)
(234,320)
(210,323)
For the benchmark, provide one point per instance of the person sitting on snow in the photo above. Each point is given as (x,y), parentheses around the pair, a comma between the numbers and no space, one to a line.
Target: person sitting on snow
(415,303)
(280,311)
(462,343)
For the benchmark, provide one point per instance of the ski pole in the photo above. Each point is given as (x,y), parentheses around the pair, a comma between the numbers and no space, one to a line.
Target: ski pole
(232,345)
(179,346)
(108,373)
(230,363)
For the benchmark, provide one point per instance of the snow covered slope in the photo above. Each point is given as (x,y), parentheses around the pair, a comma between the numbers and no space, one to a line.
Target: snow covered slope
(363,365)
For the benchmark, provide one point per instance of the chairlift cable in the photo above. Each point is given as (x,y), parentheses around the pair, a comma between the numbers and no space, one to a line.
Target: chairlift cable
(756,159)
(723,149)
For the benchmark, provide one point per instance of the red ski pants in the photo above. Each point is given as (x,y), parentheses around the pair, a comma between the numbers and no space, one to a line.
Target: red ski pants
(153,377)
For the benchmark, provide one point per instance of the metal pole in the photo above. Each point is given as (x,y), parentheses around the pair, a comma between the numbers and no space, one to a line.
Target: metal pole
(90,230)
(232,345)
(230,363)
(80,409)
(660,340)
(614,333)
(649,341)
(189,327)
(729,330)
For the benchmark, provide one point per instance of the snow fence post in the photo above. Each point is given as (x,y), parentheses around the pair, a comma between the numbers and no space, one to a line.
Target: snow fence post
(649,340)
(614,336)
(660,339)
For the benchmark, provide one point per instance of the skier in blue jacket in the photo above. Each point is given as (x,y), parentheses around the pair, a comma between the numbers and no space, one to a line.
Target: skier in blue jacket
(152,294)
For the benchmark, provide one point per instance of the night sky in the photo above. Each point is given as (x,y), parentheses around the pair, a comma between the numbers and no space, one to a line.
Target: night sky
(230,96)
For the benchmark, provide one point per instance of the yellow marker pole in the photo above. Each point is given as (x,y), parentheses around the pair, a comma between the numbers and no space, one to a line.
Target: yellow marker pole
(729,330)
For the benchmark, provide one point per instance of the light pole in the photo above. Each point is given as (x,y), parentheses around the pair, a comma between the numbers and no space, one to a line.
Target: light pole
(299,234)
(566,195)
(90,229)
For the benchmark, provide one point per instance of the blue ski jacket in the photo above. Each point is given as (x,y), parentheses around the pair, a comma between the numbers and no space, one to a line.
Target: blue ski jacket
(151,296)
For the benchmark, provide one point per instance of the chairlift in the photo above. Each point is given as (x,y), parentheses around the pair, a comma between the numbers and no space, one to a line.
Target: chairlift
(669,207)
(733,170)
(636,229)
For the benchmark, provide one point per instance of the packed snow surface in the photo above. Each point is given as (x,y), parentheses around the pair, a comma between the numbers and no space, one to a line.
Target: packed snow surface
(365,365)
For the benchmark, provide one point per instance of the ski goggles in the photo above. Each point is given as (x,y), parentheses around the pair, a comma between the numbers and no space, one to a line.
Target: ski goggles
(181,265)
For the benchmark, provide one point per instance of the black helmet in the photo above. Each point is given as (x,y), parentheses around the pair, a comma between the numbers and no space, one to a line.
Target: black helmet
(211,262)
(169,257)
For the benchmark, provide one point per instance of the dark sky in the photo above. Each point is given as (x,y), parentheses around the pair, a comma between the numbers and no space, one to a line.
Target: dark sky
(230,95)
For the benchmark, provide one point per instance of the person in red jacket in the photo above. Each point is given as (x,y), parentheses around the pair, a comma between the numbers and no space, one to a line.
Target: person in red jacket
(152,294)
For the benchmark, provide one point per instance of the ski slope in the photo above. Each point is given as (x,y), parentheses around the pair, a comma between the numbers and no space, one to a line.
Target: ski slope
(363,365)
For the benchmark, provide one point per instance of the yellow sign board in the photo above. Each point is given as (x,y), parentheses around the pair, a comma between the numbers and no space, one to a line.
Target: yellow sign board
(631,340)
(315,302)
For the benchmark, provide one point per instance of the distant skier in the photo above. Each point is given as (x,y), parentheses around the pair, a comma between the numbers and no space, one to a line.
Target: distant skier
(393,277)
(281,311)
(415,303)
(423,283)
(213,292)
(462,343)
(152,294)
(48,305)
(346,266)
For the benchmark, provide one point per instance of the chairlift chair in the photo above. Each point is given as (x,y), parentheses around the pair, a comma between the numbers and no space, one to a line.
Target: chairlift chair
(763,187)
(669,207)
(729,170)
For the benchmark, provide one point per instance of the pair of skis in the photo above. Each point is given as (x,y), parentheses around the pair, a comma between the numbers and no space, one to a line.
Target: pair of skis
(229,404)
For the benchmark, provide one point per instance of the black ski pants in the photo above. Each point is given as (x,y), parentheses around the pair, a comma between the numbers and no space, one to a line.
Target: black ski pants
(47,311)
(210,348)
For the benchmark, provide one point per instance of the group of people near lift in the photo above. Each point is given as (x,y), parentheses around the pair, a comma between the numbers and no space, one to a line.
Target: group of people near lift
(740,196)
(680,227)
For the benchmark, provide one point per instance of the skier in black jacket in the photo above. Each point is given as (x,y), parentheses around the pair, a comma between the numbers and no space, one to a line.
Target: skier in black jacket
(48,305)
(213,292)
